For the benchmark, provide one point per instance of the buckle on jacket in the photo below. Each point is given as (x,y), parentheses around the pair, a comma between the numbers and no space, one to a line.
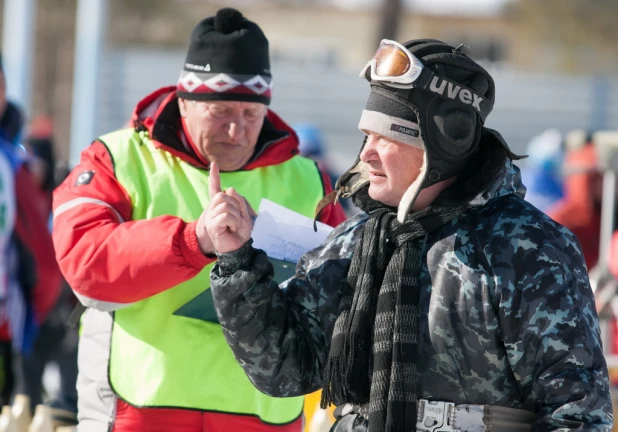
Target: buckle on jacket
(435,416)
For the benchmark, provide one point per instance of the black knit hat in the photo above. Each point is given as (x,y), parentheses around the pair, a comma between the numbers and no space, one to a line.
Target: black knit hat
(227,59)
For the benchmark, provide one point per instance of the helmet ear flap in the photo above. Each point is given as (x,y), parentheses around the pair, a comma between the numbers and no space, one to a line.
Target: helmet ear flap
(455,131)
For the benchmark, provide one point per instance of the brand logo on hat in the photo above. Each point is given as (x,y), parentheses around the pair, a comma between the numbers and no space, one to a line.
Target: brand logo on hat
(404,130)
(198,67)
(453,91)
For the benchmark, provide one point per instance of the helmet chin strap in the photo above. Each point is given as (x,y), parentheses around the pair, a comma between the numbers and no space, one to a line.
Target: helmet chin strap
(411,194)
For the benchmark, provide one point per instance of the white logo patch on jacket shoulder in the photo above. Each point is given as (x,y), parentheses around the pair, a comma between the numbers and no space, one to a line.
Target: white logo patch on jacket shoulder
(84,178)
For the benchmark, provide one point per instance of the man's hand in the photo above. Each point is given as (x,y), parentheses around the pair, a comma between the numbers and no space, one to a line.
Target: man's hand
(227,222)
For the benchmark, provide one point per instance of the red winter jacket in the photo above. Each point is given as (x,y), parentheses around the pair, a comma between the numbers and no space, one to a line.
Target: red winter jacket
(106,256)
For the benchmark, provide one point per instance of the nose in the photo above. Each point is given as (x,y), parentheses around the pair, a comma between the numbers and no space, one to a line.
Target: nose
(236,128)
(369,150)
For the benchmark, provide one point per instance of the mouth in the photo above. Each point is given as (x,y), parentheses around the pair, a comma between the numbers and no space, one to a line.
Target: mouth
(376,175)
(228,146)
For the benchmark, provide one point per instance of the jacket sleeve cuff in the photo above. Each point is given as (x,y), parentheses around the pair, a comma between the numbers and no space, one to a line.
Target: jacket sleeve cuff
(191,249)
(231,262)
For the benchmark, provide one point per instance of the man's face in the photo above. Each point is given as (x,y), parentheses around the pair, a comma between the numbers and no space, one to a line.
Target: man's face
(393,167)
(224,132)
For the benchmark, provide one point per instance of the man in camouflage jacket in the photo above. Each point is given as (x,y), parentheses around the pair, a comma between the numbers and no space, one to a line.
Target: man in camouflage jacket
(465,293)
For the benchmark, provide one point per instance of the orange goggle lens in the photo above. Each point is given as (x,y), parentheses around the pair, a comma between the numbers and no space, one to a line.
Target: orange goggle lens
(391,61)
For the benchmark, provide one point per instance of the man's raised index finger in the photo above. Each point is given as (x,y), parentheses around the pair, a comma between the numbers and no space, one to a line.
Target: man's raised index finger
(214,182)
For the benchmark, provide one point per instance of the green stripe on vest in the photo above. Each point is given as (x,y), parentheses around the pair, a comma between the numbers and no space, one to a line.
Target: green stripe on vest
(168,350)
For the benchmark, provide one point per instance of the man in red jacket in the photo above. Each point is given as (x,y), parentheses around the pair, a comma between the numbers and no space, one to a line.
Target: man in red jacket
(131,243)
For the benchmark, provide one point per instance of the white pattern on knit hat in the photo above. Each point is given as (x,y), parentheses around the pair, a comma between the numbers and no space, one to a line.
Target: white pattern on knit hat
(199,82)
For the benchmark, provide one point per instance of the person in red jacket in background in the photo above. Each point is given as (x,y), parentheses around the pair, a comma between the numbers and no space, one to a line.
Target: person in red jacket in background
(580,212)
(130,240)
(580,209)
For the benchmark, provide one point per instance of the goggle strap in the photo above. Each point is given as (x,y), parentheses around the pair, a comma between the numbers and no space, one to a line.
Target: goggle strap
(454,92)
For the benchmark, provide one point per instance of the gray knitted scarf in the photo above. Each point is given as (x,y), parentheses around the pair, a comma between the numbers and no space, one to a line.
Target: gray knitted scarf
(374,359)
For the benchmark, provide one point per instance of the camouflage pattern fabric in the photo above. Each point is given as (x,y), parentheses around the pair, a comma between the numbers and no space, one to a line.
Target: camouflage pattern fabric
(507,314)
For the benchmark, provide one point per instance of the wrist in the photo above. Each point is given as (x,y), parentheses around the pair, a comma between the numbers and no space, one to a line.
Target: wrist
(191,249)
(203,240)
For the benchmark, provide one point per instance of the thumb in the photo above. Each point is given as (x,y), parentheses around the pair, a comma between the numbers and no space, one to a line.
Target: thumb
(214,182)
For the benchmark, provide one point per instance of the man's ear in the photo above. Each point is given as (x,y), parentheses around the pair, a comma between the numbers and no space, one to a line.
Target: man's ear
(182,106)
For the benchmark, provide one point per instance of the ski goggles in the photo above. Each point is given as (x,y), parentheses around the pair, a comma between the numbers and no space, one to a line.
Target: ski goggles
(393,65)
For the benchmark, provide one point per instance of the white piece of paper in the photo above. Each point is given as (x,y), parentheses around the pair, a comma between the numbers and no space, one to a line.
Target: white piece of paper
(284,234)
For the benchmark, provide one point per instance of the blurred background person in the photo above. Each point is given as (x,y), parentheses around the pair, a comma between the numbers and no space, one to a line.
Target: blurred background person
(13,272)
(56,343)
(542,172)
(580,208)
(312,146)
(13,261)
(33,274)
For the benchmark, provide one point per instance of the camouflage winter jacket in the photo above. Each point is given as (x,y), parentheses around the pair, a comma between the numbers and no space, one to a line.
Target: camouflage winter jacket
(507,314)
